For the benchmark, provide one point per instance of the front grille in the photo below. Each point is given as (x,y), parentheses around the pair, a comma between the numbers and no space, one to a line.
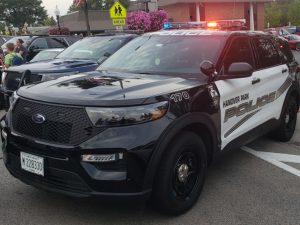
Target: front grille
(12,80)
(62,125)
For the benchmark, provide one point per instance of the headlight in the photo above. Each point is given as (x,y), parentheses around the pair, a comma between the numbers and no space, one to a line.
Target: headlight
(13,99)
(102,117)
(54,76)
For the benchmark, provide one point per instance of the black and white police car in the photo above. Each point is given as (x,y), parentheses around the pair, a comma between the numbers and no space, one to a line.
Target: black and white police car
(151,119)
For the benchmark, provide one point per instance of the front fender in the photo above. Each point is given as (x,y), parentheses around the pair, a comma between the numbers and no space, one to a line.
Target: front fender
(170,132)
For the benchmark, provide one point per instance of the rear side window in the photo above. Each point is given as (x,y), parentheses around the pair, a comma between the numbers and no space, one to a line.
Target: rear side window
(284,50)
(268,56)
(58,43)
(239,51)
(40,43)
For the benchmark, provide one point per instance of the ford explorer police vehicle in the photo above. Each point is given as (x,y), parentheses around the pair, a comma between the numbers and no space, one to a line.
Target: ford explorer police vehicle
(150,120)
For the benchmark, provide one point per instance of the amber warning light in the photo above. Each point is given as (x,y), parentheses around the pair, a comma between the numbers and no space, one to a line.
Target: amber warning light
(212,24)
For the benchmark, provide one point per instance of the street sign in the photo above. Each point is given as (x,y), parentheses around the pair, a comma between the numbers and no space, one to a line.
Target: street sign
(118,22)
(7,32)
(117,11)
(119,28)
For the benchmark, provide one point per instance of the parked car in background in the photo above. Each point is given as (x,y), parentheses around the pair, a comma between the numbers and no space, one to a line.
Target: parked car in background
(4,39)
(36,44)
(294,41)
(46,54)
(83,56)
(280,31)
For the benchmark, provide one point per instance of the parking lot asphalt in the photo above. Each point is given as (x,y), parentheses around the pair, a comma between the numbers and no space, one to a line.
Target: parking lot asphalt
(257,184)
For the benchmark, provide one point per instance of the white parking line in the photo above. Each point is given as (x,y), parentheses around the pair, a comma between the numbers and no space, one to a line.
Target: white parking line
(277,159)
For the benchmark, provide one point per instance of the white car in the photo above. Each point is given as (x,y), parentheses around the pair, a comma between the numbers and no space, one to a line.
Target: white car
(47,54)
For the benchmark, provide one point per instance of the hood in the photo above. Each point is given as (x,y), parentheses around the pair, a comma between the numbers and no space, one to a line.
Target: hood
(56,66)
(104,89)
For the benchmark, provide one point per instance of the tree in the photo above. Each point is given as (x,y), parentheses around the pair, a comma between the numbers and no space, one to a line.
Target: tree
(18,12)
(2,26)
(294,12)
(98,5)
(273,15)
(50,21)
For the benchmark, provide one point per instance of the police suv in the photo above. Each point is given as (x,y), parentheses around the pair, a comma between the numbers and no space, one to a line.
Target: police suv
(150,120)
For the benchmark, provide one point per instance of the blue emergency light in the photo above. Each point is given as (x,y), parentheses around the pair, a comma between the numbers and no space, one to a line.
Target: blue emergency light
(166,25)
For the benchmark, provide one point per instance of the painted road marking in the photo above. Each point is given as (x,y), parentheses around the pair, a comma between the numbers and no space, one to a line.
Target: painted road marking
(277,159)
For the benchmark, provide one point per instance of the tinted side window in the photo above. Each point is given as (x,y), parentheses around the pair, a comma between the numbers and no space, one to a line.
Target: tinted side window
(268,56)
(58,43)
(41,43)
(239,51)
(284,50)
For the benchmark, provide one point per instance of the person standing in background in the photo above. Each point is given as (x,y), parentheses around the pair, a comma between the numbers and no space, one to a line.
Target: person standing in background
(21,49)
(2,59)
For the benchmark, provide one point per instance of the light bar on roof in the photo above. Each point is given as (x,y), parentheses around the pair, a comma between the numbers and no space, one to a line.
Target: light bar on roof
(205,24)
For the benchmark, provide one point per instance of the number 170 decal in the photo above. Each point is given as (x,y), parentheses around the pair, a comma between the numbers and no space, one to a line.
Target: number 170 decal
(177,97)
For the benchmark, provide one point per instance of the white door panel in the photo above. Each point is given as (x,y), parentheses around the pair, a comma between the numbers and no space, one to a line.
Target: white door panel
(238,98)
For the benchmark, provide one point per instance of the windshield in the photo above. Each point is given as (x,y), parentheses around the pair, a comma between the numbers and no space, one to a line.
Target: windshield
(169,55)
(295,38)
(26,40)
(283,32)
(91,48)
(45,55)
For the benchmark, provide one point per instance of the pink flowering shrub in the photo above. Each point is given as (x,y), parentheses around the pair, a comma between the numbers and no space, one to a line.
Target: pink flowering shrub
(138,20)
(64,30)
(158,19)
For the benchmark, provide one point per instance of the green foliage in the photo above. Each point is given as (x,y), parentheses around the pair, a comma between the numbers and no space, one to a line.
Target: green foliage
(294,13)
(2,26)
(273,15)
(50,21)
(98,5)
(21,13)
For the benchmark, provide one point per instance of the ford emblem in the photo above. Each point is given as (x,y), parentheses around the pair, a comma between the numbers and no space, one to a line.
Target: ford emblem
(38,118)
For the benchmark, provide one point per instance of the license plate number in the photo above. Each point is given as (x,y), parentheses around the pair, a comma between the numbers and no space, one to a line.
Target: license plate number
(32,163)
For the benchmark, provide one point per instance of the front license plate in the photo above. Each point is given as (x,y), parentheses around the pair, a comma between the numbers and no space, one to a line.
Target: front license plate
(32,163)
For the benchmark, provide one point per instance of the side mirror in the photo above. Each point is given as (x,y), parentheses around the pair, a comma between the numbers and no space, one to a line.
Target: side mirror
(106,54)
(207,68)
(238,70)
(33,48)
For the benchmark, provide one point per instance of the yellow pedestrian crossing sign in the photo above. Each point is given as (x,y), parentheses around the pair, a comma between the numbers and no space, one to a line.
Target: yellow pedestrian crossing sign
(117,11)
(7,32)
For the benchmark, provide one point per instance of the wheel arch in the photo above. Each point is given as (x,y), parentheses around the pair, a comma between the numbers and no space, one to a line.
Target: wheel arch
(294,91)
(199,123)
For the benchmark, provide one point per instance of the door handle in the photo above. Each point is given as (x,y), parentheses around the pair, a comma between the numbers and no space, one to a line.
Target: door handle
(255,80)
(284,70)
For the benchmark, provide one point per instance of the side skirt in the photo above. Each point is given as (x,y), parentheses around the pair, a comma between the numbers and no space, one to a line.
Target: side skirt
(248,137)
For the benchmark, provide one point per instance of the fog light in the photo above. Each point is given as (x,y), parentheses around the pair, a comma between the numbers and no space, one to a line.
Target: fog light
(102,158)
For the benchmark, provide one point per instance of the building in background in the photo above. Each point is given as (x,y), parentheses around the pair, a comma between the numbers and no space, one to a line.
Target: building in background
(207,10)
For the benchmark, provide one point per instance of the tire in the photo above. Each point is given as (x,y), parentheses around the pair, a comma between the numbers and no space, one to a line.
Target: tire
(298,46)
(176,189)
(288,121)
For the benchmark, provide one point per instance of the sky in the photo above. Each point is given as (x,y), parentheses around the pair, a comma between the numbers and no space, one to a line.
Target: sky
(62,5)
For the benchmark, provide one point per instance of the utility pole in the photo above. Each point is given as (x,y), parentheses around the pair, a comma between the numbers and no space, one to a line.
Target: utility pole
(86,13)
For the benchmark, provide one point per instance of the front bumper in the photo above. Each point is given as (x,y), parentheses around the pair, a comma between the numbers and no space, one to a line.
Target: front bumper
(65,173)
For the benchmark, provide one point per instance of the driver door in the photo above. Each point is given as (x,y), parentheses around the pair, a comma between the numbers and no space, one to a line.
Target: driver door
(36,46)
(236,92)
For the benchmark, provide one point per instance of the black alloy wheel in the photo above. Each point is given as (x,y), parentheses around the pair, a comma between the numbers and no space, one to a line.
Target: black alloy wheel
(298,46)
(288,121)
(180,177)
(185,175)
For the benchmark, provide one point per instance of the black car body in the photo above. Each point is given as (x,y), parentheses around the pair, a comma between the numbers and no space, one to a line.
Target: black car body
(115,133)
(84,56)
(35,44)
